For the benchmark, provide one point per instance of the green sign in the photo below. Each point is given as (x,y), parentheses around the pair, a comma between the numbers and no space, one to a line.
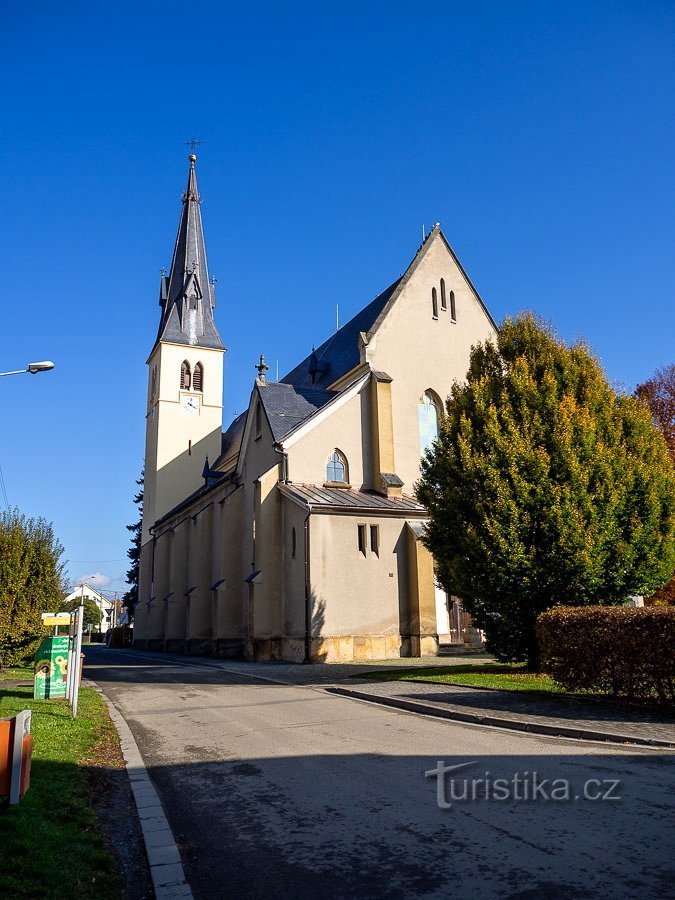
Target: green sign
(51,662)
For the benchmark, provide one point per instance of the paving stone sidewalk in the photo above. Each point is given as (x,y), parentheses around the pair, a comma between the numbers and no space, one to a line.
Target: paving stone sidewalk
(506,709)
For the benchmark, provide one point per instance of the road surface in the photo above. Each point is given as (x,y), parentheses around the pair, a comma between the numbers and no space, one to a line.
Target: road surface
(281,790)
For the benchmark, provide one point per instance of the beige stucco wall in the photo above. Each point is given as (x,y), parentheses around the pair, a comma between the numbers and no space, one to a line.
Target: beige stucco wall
(420,352)
(177,442)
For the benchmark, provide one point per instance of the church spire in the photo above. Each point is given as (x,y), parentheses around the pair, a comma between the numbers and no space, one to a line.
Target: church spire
(187,297)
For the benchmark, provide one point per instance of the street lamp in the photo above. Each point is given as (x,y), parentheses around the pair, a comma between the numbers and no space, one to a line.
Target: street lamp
(44,366)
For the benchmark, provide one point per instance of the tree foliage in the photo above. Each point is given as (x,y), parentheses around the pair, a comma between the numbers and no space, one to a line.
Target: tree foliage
(659,395)
(134,552)
(92,614)
(31,582)
(544,488)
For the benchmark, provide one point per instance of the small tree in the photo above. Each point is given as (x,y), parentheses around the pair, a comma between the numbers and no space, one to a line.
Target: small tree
(92,614)
(31,582)
(544,488)
(659,395)
(130,598)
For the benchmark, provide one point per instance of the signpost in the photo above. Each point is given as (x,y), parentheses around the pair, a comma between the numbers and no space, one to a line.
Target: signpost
(57,662)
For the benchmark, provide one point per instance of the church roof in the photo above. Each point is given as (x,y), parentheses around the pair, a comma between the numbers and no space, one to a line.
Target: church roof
(317,498)
(187,297)
(287,405)
(340,353)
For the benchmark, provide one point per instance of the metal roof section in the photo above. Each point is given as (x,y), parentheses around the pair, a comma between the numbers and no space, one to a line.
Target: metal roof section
(347,500)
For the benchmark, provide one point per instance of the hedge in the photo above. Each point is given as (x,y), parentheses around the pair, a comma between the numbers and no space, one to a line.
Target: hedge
(619,650)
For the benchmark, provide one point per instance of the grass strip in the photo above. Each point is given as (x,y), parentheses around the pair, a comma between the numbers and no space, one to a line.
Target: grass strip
(51,844)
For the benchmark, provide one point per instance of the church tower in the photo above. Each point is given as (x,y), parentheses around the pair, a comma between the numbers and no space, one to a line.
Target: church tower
(185,373)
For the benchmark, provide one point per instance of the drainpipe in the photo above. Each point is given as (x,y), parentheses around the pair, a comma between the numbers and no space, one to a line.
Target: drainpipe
(279,448)
(308,594)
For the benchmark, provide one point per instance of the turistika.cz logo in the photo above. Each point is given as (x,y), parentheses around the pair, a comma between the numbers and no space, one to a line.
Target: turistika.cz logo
(521,786)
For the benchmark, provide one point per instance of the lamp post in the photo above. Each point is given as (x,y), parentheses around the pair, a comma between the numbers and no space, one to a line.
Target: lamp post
(44,366)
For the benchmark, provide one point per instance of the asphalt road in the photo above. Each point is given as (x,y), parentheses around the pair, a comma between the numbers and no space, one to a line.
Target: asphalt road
(281,790)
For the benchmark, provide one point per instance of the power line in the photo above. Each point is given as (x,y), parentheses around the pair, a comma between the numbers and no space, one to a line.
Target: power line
(2,488)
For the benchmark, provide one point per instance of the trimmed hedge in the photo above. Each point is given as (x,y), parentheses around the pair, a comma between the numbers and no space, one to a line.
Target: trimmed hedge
(619,650)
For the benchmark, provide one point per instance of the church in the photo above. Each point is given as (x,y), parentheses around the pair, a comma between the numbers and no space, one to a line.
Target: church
(293,533)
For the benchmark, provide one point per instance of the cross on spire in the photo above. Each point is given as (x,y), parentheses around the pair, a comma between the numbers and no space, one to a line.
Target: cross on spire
(262,367)
(193,143)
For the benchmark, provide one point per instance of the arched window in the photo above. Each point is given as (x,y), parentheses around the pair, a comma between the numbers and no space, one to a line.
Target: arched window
(198,378)
(434,303)
(153,383)
(453,311)
(185,379)
(336,468)
(444,302)
(429,415)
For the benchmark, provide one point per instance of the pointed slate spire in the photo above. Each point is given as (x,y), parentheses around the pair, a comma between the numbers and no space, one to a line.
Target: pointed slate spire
(187,296)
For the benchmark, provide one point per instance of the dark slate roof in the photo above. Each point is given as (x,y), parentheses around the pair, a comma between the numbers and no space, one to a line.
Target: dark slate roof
(287,405)
(340,353)
(318,497)
(189,274)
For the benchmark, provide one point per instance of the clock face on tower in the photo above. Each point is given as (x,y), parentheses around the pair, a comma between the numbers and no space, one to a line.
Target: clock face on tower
(190,405)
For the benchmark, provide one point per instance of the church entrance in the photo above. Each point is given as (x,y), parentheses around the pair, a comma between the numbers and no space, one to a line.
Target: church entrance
(452,621)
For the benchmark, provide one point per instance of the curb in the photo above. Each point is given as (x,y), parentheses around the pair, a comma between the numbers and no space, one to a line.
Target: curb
(166,868)
(493,721)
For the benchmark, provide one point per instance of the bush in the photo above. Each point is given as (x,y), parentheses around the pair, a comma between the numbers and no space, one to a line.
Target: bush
(623,651)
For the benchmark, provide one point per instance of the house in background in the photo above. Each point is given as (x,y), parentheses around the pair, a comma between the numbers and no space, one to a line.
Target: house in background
(294,533)
(106,606)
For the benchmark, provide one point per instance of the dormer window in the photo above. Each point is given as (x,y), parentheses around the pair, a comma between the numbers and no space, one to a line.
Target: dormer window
(185,376)
(198,378)
(337,471)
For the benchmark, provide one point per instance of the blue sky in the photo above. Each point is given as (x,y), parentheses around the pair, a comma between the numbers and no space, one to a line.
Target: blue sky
(539,134)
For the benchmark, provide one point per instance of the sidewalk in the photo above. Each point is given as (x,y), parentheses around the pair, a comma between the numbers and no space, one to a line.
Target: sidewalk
(506,709)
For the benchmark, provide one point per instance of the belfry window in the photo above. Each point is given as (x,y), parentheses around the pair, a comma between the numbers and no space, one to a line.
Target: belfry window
(453,311)
(434,303)
(336,468)
(198,378)
(429,414)
(185,377)
(444,299)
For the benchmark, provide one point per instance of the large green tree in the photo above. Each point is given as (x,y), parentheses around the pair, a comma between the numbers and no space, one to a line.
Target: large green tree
(545,487)
(31,582)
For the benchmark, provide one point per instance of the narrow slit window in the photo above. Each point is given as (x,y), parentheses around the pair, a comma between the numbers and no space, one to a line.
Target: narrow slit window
(198,378)
(453,310)
(444,299)
(293,544)
(185,375)
(362,539)
(434,303)
(258,422)
(375,539)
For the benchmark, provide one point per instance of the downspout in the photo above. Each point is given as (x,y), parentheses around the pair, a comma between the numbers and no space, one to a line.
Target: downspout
(308,593)
(279,448)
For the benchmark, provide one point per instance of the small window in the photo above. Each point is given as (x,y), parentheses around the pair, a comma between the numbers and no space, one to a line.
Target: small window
(375,539)
(293,544)
(444,299)
(192,302)
(434,303)
(185,379)
(453,311)
(336,468)
(198,378)
(153,386)
(258,422)
(362,539)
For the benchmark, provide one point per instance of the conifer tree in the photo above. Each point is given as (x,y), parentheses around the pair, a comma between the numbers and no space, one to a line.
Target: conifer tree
(544,488)
(134,552)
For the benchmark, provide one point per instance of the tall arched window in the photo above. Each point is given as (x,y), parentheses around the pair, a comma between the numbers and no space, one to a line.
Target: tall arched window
(434,303)
(453,311)
(429,414)
(336,468)
(185,379)
(198,378)
(444,302)
(153,383)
